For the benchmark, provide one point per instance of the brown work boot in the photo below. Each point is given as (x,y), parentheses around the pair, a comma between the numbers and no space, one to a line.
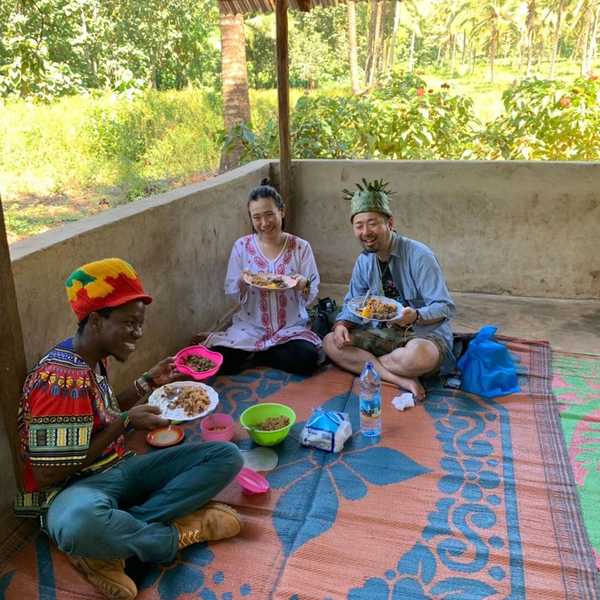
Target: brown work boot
(108,576)
(214,521)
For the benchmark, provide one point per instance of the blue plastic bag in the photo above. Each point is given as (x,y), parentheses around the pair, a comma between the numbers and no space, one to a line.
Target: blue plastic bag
(487,367)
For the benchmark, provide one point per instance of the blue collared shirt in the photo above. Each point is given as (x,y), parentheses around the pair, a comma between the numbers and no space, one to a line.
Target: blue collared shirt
(420,282)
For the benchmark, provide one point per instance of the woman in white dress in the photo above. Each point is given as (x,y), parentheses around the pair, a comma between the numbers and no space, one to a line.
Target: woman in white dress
(271,326)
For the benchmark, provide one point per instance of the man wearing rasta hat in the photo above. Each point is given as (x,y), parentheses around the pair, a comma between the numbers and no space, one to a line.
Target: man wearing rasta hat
(97,502)
(419,341)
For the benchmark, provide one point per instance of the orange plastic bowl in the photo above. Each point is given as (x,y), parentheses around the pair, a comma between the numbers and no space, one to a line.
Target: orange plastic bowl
(202,352)
(165,436)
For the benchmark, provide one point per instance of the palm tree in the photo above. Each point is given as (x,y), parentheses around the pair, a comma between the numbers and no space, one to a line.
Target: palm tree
(236,101)
(352,47)
(560,5)
(375,35)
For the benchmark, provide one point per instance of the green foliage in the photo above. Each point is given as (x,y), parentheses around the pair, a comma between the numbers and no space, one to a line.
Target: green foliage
(398,85)
(130,145)
(546,120)
(398,121)
(318,47)
(52,48)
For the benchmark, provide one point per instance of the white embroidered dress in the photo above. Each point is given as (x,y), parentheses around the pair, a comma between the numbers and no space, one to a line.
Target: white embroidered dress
(267,318)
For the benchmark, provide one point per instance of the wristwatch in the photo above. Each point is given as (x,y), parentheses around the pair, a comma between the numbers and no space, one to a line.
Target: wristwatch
(418,316)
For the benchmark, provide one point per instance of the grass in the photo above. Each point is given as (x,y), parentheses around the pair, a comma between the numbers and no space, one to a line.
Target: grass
(83,154)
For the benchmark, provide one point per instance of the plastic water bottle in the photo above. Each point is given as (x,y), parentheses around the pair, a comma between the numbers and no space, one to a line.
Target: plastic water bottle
(370,401)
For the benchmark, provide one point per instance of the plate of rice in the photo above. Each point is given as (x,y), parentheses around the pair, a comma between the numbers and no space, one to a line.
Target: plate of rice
(184,400)
(376,308)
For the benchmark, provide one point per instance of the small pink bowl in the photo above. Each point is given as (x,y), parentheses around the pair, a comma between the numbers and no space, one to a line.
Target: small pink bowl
(202,352)
(252,482)
(217,427)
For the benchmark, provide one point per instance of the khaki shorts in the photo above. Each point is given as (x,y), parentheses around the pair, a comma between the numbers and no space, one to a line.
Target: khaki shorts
(385,340)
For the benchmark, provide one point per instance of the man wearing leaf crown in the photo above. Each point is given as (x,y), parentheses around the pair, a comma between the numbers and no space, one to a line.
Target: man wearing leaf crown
(418,341)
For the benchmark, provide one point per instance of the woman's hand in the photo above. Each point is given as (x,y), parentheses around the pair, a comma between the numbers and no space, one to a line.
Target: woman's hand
(165,372)
(146,417)
(301,284)
(243,284)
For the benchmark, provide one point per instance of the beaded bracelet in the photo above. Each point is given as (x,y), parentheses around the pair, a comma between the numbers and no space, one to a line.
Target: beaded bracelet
(149,380)
(125,416)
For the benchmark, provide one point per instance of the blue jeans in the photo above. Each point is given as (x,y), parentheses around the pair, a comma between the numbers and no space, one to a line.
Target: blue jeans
(127,510)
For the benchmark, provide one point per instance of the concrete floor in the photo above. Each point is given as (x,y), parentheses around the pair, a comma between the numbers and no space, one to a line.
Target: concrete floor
(569,325)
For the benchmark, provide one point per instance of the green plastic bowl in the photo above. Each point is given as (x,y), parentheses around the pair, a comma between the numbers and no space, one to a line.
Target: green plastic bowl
(256,414)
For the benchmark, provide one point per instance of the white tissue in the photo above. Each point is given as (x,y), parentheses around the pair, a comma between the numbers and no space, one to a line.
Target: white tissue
(406,400)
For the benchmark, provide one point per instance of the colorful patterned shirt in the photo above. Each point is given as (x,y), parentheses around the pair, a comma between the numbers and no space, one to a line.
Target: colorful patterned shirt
(64,403)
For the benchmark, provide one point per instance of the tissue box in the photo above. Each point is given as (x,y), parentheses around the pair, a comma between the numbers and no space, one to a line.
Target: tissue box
(327,430)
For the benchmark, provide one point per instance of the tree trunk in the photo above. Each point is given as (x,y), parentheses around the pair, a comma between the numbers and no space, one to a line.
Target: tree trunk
(371,40)
(556,44)
(383,42)
(452,54)
(411,52)
(395,27)
(464,49)
(591,46)
(236,101)
(493,48)
(529,50)
(376,18)
(352,47)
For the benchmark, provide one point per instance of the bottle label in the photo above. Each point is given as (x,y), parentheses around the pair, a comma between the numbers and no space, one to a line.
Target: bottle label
(370,410)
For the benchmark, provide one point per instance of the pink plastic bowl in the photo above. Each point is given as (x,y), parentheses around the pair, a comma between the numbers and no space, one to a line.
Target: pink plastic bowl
(203,352)
(217,427)
(252,482)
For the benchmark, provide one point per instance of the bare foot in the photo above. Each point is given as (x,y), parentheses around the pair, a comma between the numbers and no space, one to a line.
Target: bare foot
(410,385)
(414,386)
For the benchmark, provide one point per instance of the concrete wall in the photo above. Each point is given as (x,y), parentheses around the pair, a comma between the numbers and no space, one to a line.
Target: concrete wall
(527,229)
(179,242)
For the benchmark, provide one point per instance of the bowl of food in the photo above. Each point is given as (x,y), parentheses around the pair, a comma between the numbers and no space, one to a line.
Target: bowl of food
(165,436)
(198,362)
(268,423)
(217,427)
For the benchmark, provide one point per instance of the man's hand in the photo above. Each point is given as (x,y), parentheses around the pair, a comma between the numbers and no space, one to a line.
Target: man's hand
(341,336)
(144,416)
(407,317)
(165,372)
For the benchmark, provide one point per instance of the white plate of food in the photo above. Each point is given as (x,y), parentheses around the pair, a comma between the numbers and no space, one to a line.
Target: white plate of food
(375,308)
(269,281)
(184,400)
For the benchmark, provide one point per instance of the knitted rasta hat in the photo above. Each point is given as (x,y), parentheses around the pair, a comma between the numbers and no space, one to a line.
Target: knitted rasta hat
(106,283)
